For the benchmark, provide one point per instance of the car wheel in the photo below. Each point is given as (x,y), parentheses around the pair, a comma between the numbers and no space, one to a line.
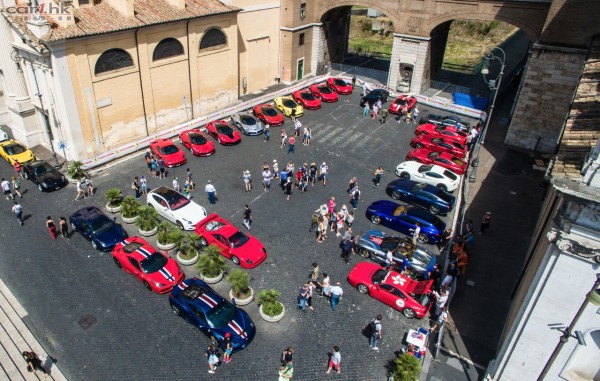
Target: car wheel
(235,260)
(175,310)
(434,209)
(147,285)
(376,220)
(409,313)
(73,227)
(179,225)
(364,253)
(40,188)
(203,241)
(405,175)
(442,187)
(418,145)
(423,238)
(117,263)
(362,289)
(94,245)
(396,195)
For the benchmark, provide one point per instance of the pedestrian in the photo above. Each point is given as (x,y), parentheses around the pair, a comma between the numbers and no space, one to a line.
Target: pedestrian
(336,295)
(51,227)
(314,275)
(161,168)
(283,176)
(415,233)
(364,89)
(275,169)
(291,144)
(308,136)
(16,186)
(293,115)
(443,318)
(312,173)
(286,372)
(335,360)
(89,186)
(247,180)
(331,206)
(339,221)
(446,236)
(355,197)
(148,158)
(154,168)
(176,185)
(389,260)
(351,184)
(143,185)
(375,326)
(135,185)
(34,363)
(347,246)
(266,176)
(415,114)
(303,297)
(79,189)
(288,187)
(441,298)
(384,114)
(379,104)
(321,229)
(247,217)
(6,189)
(212,354)
(485,222)
(190,179)
(17,209)
(462,261)
(326,285)
(323,173)
(377,176)
(297,127)
(18,169)
(267,132)
(302,185)
(408,117)
(283,137)
(353,81)
(366,109)
(187,189)
(309,297)
(227,348)
(211,192)
(374,112)
(64,228)
(287,357)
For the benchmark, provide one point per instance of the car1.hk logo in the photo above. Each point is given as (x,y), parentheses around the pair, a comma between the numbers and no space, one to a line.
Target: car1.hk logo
(36,10)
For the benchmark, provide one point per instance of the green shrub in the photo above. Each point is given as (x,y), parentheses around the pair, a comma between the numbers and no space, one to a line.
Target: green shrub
(406,367)
(240,283)
(129,207)
(269,299)
(75,170)
(147,218)
(113,196)
(211,262)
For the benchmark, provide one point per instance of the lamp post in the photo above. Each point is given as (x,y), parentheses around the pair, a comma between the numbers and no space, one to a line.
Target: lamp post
(494,85)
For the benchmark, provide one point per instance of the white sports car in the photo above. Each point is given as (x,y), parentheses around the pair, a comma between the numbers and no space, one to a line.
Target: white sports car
(176,208)
(429,174)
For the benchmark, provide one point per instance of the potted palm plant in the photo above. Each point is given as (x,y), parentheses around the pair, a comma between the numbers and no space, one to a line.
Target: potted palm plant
(406,368)
(271,309)
(114,198)
(187,249)
(167,236)
(147,221)
(75,171)
(240,291)
(211,264)
(129,209)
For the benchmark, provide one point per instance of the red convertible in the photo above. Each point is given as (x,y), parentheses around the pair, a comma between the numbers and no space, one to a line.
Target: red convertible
(242,249)
(443,159)
(411,297)
(339,86)
(403,104)
(439,144)
(307,99)
(324,93)
(197,143)
(268,114)
(223,132)
(450,132)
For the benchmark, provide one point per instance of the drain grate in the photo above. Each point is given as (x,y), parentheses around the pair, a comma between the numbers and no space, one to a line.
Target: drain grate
(87,321)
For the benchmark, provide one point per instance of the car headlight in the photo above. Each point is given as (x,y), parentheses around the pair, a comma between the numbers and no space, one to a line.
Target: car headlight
(186,220)
(249,261)
(158,284)
(45,185)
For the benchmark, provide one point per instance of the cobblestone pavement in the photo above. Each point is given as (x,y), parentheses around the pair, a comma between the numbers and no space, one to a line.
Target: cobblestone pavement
(101,324)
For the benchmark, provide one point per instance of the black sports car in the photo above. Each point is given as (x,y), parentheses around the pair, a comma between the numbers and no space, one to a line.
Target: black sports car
(45,176)
(95,226)
(375,95)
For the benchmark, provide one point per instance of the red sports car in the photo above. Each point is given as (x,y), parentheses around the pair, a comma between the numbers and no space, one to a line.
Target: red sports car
(157,271)
(403,104)
(307,99)
(268,114)
(443,159)
(450,132)
(324,93)
(242,249)
(223,132)
(439,144)
(197,143)
(411,297)
(339,86)
(168,151)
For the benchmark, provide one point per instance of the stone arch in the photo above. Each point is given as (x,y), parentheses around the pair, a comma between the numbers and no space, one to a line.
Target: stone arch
(112,60)
(328,6)
(167,48)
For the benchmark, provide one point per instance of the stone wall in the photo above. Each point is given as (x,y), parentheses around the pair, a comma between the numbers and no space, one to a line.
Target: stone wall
(549,84)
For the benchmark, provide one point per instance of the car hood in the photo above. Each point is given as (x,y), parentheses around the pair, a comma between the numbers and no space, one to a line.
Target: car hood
(111,237)
(241,328)
(192,212)
(23,157)
(174,157)
(384,206)
(251,250)
(167,275)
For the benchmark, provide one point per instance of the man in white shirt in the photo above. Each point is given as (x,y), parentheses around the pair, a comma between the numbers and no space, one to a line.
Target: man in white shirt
(389,260)
(415,233)
(323,173)
(336,295)
(211,192)
(6,188)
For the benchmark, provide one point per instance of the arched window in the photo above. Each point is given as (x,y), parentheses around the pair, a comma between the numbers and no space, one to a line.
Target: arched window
(213,38)
(169,47)
(111,60)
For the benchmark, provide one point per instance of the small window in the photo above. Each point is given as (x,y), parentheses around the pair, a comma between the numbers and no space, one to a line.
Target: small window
(213,39)
(302,11)
(301,39)
(169,47)
(112,60)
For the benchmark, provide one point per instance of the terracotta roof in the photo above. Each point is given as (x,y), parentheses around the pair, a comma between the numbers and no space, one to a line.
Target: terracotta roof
(102,18)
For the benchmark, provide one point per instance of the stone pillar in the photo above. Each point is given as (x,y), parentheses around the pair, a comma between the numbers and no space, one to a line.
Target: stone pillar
(319,47)
(549,83)
(15,81)
(411,50)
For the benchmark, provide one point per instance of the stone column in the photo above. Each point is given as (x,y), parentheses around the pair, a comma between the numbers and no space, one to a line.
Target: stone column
(412,50)
(549,83)
(15,81)
(318,48)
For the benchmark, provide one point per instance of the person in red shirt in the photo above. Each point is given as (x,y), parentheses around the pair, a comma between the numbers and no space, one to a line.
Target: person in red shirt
(291,144)
(18,168)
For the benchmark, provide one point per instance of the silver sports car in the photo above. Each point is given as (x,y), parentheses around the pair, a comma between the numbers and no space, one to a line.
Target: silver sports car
(247,124)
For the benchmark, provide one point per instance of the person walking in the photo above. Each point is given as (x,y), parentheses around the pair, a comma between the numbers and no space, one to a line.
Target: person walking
(415,114)
(64,228)
(364,89)
(136,187)
(377,176)
(161,168)
(355,197)
(336,295)
(297,127)
(211,192)
(485,222)
(374,112)
(247,217)
(323,173)
(34,363)
(415,233)
(79,189)
(347,246)
(154,168)
(247,180)
(309,296)
(6,188)
(17,209)
(286,372)
(312,173)
(308,135)
(288,187)
(267,132)
(287,357)
(227,348)
(353,81)
(148,158)
(384,114)
(335,360)
(291,144)
(189,176)
(283,137)
(375,333)
(314,276)
(366,109)
(275,169)
(176,185)
(212,355)
(303,297)
(18,169)
(266,176)
(89,186)
(293,115)
(51,227)
(16,186)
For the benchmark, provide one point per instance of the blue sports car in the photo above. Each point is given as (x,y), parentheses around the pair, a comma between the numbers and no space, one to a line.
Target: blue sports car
(94,225)
(374,245)
(214,315)
(426,196)
(403,219)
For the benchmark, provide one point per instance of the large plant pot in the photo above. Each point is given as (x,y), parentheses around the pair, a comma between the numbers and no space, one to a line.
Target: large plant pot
(214,280)
(129,220)
(188,262)
(242,302)
(165,246)
(271,319)
(148,233)
(113,209)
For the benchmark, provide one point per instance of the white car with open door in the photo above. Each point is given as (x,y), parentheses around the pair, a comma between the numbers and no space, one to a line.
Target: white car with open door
(429,174)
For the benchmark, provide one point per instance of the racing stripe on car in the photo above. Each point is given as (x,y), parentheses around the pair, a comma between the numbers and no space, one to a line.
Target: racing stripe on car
(237,329)
(208,300)
(145,253)
(182,286)
(167,274)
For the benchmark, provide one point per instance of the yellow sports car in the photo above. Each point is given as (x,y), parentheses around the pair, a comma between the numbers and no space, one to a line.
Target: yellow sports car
(287,104)
(13,151)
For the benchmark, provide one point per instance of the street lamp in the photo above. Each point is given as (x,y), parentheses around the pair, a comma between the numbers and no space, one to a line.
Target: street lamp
(494,85)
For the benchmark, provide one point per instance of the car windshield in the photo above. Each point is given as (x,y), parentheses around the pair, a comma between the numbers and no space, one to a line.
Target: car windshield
(15,149)
(101,224)
(418,187)
(307,96)
(457,161)
(324,90)
(248,120)
(153,263)
(224,129)
(221,314)
(339,82)
(425,168)
(42,169)
(168,150)
(379,276)
(450,175)
(238,240)
(269,111)
(197,139)
(289,103)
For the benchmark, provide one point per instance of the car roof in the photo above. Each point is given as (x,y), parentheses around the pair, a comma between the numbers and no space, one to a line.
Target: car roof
(198,294)
(407,284)
(166,192)
(421,214)
(88,212)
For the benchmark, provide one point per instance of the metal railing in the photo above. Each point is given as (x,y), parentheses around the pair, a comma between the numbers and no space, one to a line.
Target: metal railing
(363,72)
